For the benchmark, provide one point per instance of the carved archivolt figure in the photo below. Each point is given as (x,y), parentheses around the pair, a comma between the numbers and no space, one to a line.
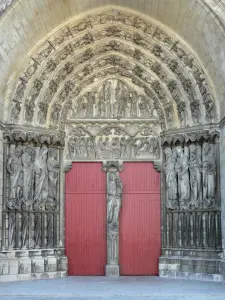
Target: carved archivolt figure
(53,171)
(114,194)
(171,179)
(28,158)
(41,176)
(209,174)
(195,175)
(181,168)
(14,167)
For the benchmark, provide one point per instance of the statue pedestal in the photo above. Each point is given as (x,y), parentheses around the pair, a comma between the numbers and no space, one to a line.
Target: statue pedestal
(112,270)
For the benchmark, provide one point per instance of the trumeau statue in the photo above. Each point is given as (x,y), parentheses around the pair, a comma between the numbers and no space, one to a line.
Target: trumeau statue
(114,201)
(209,175)
(171,179)
(181,168)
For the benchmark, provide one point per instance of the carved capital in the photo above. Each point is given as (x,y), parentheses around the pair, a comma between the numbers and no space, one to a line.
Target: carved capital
(67,166)
(15,136)
(110,166)
(158,165)
(191,137)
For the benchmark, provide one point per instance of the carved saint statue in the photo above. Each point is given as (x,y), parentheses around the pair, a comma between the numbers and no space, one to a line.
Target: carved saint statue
(171,179)
(133,104)
(195,176)
(114,194)
(81,107)
(53,171)
(90,145)
(71,148)
(14,167)
(181,168)
(144,107)
(90,104)
(41,176)
(28,158)
(209,175)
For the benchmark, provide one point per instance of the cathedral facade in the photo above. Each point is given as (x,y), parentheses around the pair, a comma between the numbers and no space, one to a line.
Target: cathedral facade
(112,139)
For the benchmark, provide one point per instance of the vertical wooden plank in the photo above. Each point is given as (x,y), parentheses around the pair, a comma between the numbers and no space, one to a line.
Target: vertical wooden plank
(85,219)
(140,237)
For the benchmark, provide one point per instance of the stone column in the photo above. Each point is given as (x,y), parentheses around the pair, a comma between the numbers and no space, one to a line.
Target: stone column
(114,202)
(222,190)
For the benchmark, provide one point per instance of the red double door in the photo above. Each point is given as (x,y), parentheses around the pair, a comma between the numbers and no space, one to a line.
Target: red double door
(85,219)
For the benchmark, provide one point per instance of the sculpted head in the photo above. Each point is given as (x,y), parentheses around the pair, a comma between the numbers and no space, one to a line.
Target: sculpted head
(179,150)
(112,176)
(168,152)
(18,151)
(206,147)
(193,148)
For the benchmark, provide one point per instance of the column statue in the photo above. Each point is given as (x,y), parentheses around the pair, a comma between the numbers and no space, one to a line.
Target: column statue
(209,175)
(171,179)
(14,167)
(181,168)
(195,176)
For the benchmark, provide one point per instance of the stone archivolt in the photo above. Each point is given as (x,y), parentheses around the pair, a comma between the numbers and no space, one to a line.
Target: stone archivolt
(103,44)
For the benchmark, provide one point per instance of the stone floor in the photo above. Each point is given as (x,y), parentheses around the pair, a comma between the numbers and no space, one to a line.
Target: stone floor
(123,288)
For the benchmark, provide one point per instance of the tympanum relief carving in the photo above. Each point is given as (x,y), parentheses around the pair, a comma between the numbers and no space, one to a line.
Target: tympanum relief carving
(113,142)
(114,100)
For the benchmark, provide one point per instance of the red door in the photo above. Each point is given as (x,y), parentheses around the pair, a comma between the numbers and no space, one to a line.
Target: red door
(140,220)
(85,215)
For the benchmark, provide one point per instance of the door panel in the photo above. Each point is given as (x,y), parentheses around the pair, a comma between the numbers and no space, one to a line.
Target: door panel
(140,238)
(85,210)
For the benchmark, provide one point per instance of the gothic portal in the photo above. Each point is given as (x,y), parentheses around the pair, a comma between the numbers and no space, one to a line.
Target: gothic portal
(119,98)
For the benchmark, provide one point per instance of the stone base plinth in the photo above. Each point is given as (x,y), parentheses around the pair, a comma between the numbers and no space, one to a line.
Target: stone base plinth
(194,268)
(32,264)
(112,270)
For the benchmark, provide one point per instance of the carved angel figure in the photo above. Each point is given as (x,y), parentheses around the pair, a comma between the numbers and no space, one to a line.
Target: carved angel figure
(181,168)
(114,194)
(209,175)
(171,179)
(14,167)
